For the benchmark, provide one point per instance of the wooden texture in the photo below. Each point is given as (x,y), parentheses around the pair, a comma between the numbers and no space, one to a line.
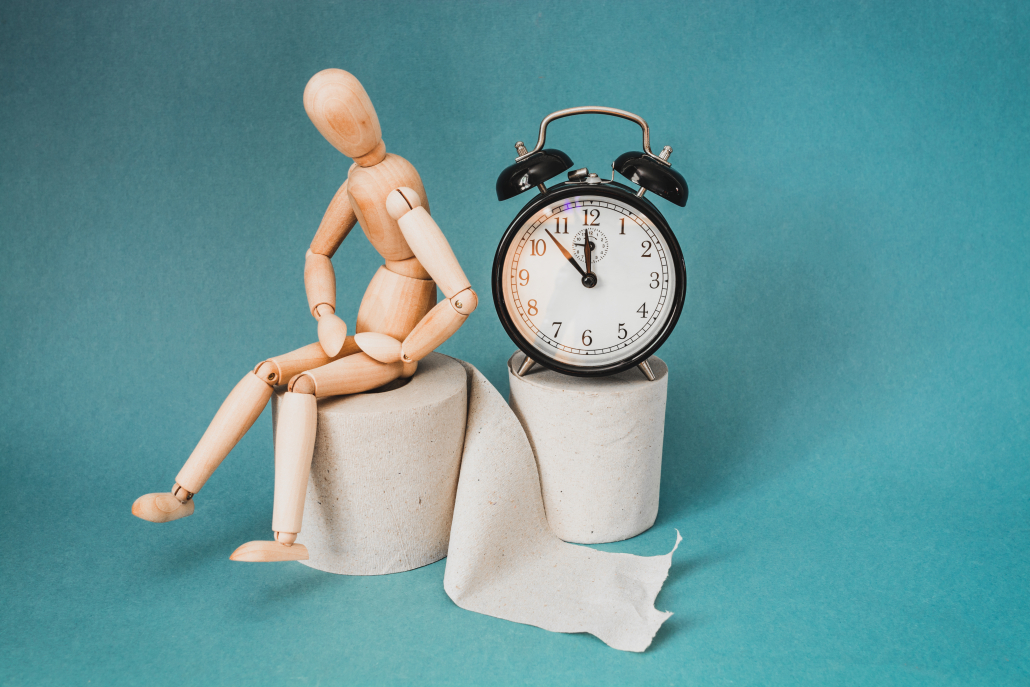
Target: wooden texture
(282,368)
(381,347)
(426,241)
(397,306)
(373,157)
(338,220)
(341,110)
(161,507)
(319,281)
(351,375)
(294,441)
(394,304)
(465,302)
(332,331)
(384,473)
(237,413)
(302,384)
(409,268)
(433,330)
(369,188)
(269,552)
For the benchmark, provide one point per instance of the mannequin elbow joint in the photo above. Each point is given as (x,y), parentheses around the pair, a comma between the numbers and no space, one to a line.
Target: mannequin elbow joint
(465,302)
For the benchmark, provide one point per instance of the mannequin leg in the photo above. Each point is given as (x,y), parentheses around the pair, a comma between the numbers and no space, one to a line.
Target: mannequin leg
(295,443)
(236,415)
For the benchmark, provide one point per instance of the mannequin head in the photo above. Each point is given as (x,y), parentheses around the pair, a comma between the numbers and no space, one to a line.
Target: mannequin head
(337,104)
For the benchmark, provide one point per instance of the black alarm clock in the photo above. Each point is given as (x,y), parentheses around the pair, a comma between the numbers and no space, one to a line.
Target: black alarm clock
(588,279)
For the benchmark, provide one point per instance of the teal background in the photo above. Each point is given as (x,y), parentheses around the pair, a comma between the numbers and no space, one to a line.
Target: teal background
(847,432)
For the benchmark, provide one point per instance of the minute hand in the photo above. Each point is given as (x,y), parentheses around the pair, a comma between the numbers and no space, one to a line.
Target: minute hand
(567,254)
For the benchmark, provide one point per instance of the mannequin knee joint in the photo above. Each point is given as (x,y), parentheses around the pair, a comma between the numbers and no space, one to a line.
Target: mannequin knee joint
(268,372)
(302,384)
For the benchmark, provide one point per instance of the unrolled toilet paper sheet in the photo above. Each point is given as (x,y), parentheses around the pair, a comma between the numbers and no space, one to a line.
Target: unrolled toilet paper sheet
(504,561)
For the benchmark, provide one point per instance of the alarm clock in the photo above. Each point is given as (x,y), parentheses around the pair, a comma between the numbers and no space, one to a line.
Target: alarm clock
(588,279)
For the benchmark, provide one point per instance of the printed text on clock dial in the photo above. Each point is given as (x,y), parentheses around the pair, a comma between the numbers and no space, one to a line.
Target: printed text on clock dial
(547,300)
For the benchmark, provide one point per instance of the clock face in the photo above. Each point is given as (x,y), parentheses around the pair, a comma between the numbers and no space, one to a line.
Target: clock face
(619,319)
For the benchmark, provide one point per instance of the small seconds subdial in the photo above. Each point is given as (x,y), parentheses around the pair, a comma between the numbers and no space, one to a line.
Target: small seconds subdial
(598,245)
(578,321)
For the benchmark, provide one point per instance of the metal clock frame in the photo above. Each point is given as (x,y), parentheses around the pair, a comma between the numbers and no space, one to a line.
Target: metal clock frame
(607,189)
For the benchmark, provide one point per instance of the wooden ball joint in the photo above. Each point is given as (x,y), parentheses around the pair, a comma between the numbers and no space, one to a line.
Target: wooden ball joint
(399,321)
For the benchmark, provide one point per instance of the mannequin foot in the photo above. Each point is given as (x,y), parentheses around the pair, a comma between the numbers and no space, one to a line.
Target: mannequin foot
(161,507)
(269,552)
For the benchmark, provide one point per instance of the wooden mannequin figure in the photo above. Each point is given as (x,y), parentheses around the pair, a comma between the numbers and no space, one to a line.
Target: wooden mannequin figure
(399,321)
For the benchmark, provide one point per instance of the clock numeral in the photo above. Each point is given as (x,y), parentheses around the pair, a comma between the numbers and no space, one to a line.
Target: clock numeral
(532,308)
(622,331)
(558,226)
(538,247)
(622,226)
(642,310)
(591,217)
(646,245)
(524,276)
(654,280)
(557,326)
(586,338)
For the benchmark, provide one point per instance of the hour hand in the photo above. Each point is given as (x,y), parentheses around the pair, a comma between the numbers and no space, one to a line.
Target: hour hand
(587,247)
(589,280)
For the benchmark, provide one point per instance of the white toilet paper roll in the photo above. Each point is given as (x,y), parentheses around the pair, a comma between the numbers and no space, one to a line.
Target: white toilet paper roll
(384,473)
(598,446)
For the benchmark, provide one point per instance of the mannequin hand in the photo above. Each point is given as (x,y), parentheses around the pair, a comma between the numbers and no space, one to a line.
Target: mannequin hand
(332,331)
(381,347)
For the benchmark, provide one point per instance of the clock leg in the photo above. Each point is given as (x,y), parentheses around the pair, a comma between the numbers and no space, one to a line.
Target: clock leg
(645,367)
(526,366)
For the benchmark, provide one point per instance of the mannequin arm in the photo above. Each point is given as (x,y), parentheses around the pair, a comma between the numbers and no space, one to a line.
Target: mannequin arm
(432,250)
(319,278)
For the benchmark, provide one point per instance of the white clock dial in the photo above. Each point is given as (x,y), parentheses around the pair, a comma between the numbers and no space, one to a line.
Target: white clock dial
(564,320)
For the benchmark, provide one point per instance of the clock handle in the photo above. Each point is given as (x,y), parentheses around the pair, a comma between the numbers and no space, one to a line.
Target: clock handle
(593,109)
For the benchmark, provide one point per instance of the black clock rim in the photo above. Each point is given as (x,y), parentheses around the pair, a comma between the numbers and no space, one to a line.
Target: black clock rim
(610,190)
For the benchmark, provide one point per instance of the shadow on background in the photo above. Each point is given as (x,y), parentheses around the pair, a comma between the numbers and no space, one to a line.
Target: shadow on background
(212,543)
(764,341)
(270,600)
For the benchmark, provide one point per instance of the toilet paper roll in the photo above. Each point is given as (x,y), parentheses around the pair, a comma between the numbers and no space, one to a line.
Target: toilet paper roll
(384,473)
(598,446)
